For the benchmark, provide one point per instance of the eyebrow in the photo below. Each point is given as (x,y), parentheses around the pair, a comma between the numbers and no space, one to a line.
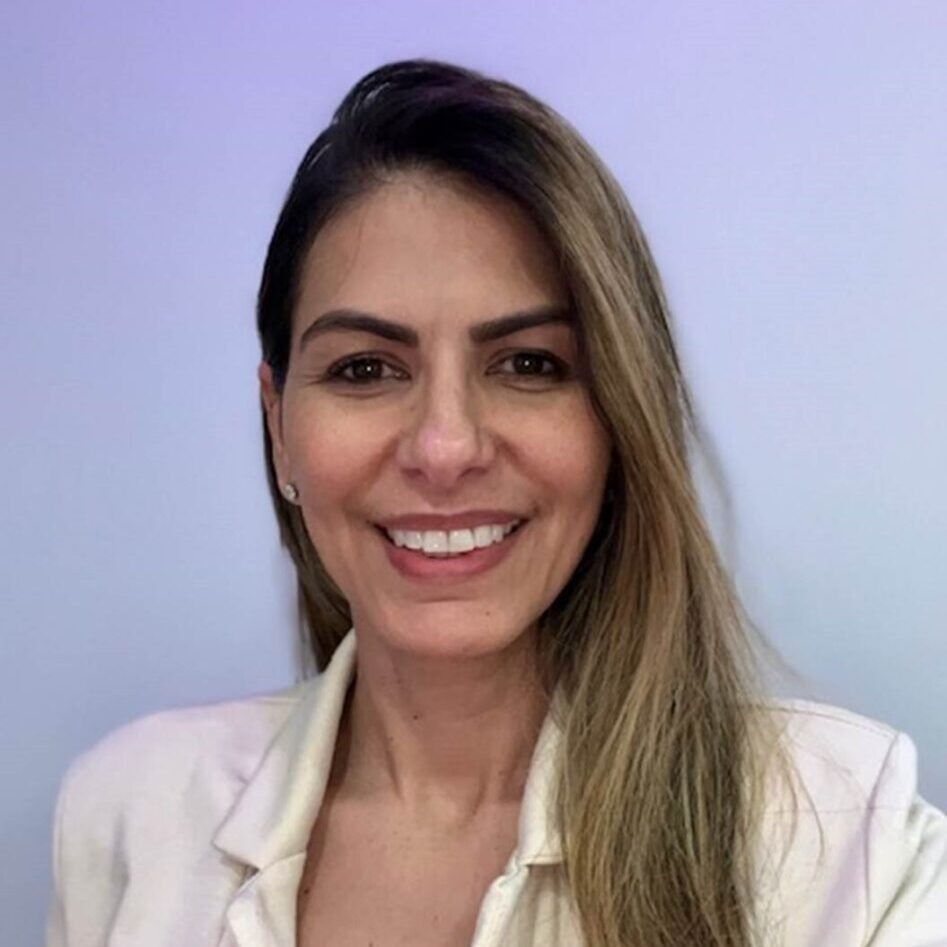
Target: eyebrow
(354,320)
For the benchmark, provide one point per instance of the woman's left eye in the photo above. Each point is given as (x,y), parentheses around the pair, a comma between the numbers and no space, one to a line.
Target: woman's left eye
(535,365)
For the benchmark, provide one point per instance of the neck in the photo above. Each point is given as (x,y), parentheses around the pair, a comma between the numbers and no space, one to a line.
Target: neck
(444,739)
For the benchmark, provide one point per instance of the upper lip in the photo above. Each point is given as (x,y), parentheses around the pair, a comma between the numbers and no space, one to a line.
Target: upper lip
(465,520)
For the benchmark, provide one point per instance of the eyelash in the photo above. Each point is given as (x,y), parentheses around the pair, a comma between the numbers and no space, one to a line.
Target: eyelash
(334,374)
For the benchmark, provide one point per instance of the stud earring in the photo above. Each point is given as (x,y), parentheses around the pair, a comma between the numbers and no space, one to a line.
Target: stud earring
(291,492)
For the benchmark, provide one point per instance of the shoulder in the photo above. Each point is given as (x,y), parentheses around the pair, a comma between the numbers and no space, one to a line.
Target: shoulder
(851,854)
(840,757)
(187,736)
(140,808)
(202,751)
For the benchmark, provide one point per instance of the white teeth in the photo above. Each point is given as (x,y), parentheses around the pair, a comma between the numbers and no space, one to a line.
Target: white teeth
(483,536)
(434,541)
(438,542)
(460,540)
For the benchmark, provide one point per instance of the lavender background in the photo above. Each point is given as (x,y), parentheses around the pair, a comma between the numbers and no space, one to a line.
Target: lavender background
(788,163)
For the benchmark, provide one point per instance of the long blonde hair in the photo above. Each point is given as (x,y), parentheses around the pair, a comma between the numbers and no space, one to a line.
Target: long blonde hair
(662,765)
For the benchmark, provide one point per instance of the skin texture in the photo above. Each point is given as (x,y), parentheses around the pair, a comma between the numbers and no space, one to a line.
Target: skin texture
(445,708)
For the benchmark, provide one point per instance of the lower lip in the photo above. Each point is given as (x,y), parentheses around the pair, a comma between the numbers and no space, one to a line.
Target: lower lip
(415,565)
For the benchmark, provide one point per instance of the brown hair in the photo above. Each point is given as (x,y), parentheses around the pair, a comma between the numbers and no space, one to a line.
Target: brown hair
(661,768)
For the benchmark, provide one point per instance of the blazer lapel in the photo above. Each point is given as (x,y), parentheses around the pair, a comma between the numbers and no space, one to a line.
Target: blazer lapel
(263,912)
(268,828)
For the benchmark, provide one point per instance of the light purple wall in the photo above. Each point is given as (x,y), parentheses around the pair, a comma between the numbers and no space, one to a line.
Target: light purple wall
(788,164)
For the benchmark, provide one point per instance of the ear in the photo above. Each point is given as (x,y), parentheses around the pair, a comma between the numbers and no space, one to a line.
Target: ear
(272,407)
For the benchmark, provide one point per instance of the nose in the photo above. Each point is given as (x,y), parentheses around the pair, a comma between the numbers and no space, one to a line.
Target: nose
(445,438)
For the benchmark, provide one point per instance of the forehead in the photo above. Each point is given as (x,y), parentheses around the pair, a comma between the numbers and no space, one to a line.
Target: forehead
(421,244)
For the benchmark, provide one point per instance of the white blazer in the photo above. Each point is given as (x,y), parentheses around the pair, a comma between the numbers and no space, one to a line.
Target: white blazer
(189,829)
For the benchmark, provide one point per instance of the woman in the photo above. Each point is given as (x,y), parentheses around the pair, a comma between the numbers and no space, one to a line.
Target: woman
(536,720)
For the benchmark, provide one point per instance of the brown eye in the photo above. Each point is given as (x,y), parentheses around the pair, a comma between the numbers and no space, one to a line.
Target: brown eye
(362,370)
(528,364)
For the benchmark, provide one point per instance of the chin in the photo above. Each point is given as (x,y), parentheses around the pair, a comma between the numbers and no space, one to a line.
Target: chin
(448,630)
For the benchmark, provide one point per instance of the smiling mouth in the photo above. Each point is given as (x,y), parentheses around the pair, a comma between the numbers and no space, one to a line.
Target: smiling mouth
(435,544)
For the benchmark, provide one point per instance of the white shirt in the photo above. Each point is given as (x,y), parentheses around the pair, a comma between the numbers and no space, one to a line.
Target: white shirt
(189,828)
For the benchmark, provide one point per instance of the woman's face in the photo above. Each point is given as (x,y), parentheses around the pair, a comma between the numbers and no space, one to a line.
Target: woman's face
(434,419)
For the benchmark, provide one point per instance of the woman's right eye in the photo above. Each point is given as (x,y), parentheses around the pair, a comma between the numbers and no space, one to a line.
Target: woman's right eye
(362,370)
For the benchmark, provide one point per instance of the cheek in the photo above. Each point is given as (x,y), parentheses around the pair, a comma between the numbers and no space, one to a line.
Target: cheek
(571,454)
(331,465)
(330,459)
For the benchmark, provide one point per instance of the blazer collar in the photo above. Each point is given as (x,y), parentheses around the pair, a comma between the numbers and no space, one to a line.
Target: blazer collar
(273,814)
